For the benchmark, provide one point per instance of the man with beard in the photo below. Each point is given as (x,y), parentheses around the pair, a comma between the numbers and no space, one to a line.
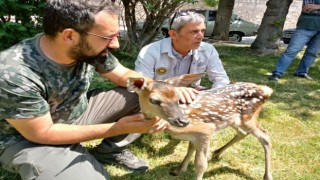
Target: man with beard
(182,53)
(46,110)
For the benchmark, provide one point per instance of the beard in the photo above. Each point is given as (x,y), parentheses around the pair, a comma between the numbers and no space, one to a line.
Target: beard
(83,52)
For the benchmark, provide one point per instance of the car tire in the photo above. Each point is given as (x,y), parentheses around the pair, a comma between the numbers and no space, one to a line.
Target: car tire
(287,41)
(235,36)
(163,33)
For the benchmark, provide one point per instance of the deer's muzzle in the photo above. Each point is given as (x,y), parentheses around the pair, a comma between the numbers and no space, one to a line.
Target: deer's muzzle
(179,122)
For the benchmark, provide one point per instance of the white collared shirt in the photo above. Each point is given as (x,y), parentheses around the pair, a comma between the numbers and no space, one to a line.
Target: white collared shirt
(156,61)
(183,64)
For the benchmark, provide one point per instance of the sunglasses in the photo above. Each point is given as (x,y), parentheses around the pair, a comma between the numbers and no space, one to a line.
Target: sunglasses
(178,14)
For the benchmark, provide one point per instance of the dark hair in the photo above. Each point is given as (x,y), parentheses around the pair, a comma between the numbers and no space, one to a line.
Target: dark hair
(76,14)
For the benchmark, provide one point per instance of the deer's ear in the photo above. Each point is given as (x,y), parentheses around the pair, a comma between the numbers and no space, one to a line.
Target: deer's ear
(135,84)
(185,80)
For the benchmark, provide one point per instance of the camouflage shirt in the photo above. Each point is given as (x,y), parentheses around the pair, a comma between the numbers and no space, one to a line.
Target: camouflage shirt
(31,85)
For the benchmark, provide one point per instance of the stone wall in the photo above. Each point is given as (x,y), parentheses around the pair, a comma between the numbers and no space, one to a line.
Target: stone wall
(253,10)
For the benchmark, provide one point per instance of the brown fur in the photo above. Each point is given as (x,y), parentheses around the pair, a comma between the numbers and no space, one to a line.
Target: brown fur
(237,105)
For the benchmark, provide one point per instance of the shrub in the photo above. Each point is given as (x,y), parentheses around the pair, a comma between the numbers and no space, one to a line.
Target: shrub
(19,19)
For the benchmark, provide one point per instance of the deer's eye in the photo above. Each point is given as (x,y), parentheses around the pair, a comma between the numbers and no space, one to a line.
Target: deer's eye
(155,101)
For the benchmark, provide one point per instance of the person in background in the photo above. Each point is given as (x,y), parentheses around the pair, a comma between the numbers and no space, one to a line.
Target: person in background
(182,53)
(46,110)
(307,33)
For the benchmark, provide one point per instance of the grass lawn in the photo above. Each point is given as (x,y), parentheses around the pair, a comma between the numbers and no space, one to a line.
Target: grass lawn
(291,117)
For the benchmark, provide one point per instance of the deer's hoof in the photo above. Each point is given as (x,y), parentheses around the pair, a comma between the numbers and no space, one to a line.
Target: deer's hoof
(267,177)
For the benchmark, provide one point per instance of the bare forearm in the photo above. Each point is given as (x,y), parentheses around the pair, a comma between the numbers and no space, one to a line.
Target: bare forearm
(310,7)
(70,134)
(43,131)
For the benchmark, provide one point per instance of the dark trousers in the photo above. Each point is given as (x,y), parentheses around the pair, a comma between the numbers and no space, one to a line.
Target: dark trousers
(45,162)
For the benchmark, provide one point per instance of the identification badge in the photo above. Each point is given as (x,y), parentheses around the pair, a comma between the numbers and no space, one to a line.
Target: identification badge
(161,71)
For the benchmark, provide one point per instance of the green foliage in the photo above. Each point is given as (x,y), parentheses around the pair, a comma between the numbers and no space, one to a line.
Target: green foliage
(19,19)
(185,1)
(212,3)
(124,55)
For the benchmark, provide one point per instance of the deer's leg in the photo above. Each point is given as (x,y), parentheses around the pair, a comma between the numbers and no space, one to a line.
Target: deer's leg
(265,141)
(184,164)
(201,159)
(239,136)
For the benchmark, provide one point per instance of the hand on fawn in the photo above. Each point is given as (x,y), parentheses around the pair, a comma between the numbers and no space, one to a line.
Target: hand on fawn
(187,95)
(138,124)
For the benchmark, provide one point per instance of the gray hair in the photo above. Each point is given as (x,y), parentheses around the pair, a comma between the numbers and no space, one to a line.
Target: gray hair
(183,17)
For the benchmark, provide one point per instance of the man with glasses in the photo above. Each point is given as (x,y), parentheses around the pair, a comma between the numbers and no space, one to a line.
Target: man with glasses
(183,52)
(45,110)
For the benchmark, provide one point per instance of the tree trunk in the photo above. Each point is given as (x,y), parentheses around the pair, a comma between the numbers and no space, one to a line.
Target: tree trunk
(222,23)
(155,11)
(270,31)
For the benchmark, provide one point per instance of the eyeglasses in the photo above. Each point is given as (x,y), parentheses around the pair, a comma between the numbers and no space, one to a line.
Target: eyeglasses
(178,14)
(111,37)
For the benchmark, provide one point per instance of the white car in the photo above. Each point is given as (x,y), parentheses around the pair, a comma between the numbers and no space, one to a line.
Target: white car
(238,27)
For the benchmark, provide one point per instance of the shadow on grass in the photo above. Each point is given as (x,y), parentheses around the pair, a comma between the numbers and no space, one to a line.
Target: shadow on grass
(151,150)
(227,170)
(162,173)
(159,173)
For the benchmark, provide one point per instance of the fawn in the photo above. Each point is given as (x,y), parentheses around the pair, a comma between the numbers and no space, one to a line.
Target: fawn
(237,105)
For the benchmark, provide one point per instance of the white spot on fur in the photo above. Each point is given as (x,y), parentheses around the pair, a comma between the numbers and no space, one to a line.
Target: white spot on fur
(205,114)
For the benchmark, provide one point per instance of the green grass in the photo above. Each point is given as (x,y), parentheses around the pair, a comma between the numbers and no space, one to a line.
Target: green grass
(291,117)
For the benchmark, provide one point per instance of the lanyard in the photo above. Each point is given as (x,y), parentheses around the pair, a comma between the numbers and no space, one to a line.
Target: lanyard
(190,63)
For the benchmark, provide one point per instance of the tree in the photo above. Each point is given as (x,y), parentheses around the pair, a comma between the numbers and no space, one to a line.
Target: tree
(222,24)
(19,19)
(269,33)
(211,3)
(155,11)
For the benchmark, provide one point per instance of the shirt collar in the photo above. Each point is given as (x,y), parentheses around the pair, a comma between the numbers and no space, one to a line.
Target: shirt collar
(166,47)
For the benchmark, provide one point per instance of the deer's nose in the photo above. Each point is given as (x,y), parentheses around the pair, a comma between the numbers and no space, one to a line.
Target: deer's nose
(179,122)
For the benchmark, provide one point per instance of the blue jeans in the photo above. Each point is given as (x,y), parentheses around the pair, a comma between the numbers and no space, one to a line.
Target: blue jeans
(300,38)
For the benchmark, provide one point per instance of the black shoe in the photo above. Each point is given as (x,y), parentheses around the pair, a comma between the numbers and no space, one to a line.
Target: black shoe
(274,77)
(305,76)
(124,157)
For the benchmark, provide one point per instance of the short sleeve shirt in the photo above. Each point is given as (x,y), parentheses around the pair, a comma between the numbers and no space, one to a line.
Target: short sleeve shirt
(32,85)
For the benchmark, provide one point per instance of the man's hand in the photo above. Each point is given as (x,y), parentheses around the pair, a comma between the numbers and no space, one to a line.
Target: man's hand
(138,124)
(187,95)
(310,7)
